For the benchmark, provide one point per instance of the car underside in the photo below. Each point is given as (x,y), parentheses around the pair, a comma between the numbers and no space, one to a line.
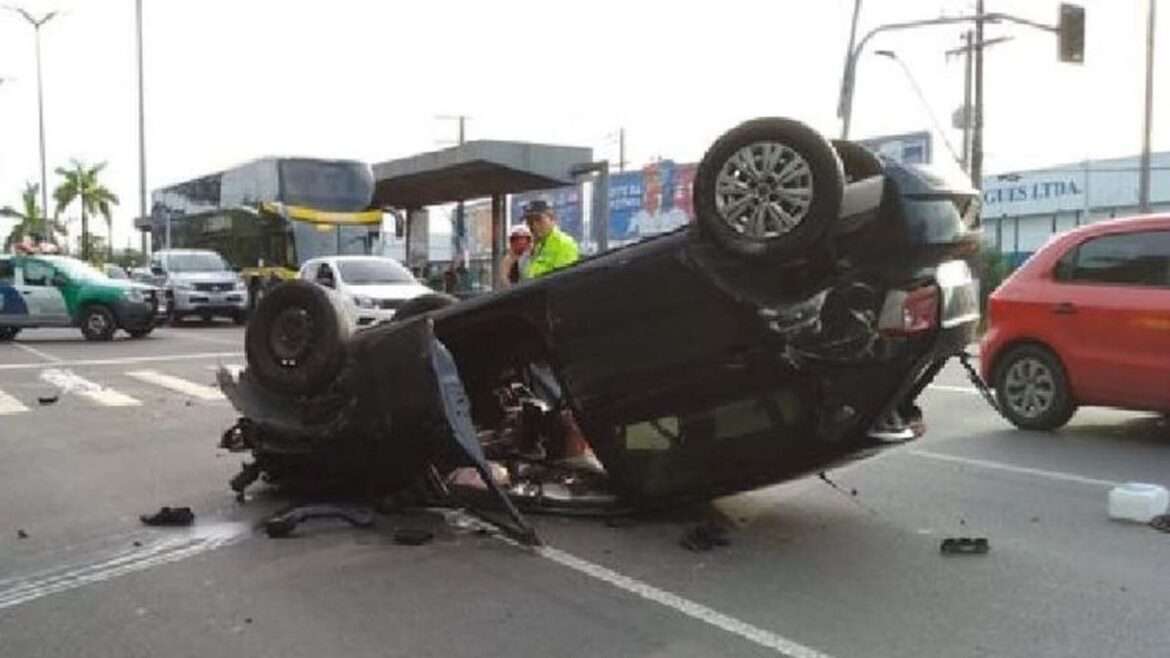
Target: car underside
(789,330)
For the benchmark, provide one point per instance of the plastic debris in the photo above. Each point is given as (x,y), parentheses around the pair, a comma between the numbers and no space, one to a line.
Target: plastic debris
(170,516)
(21,534)
(44,400)
(967,545)
(1138,501)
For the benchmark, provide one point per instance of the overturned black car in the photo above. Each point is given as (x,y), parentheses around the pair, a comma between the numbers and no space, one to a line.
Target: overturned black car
(788,330)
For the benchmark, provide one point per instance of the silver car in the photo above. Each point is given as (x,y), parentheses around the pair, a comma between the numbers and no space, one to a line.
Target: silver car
(199,282)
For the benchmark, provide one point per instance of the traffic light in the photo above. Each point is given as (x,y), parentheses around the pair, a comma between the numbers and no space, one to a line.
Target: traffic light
(1071,33)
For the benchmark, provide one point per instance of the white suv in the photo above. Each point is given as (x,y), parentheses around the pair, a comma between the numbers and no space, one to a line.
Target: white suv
(372,286)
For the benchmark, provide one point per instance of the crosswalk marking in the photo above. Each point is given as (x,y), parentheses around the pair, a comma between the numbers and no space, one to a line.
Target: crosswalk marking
(70,382)
(177,384)
(10,405)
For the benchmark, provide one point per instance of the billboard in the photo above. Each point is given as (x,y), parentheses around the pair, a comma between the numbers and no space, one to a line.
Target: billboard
(654,200)
(907,148)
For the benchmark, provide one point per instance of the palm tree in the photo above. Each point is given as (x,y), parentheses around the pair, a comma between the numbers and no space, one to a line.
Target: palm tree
(32,219)
(81,184)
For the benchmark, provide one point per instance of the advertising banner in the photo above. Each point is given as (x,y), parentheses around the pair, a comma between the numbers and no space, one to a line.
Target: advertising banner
(654,200)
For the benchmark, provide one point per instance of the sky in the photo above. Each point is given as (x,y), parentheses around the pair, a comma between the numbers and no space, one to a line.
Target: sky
(231,80)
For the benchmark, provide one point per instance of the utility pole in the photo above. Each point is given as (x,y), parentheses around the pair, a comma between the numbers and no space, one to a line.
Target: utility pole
(622,148)
(1144,182)
(968,41)
(460,222)
(141,128)
(977,130)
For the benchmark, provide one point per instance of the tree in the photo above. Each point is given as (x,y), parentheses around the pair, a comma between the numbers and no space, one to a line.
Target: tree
(32,219)
(81,184)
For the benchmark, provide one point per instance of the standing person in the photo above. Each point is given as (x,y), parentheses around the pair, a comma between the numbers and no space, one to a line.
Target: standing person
(552,248)
(515,261)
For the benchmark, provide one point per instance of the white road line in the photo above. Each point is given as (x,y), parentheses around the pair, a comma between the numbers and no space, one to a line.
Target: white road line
(954,389)
(10,405)
(70,382)
(205,339)
(698,611)
(692,609)
(127,360)
(62,579)
(1009,468)
(37,353)
(177,384)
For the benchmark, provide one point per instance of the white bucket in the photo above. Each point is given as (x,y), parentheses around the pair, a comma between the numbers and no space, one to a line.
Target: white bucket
(1136,501)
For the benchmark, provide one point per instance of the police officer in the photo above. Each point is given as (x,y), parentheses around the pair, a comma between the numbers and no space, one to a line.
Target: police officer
(552,248)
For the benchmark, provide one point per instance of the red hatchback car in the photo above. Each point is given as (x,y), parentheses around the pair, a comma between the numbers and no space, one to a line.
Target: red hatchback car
(1085,321)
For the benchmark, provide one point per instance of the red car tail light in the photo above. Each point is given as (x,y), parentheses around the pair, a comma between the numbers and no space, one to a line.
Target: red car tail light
(910,312)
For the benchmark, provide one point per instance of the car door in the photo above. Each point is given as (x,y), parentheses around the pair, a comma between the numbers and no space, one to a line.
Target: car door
(46,304)
(13,308)
(1114,298)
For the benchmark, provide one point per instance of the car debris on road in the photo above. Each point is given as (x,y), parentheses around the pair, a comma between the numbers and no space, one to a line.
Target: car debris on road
(170,516)
(789,330)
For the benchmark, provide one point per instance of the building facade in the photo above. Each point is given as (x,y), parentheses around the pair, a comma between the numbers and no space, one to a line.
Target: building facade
(1022,210)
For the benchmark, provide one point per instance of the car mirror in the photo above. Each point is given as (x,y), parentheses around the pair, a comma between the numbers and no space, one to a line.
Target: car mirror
(59,280)
(157,270)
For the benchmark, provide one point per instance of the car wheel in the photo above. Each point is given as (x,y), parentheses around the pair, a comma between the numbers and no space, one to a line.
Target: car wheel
(1032,389)
(295,342)
(423,304)
(768,188)
(140,333)
(97,323)
(8,333)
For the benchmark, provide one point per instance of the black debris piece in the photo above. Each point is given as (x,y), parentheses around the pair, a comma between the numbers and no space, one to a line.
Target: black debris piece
(45,400)
(21,534)
(1035,519)
(620,522)
(964,545)
(137,544)
(704,537)
(247,620)
(282,525)
(1161,522)
(413,536)
(170,516)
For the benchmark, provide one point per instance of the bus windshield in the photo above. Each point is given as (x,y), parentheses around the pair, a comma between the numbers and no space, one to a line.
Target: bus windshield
(326,185)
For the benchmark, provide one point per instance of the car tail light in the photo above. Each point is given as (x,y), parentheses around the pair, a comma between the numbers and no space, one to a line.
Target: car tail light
(907,312)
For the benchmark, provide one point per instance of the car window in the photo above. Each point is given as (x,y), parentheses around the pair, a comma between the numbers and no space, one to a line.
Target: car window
(7,271)
(37,273)
(1139,259)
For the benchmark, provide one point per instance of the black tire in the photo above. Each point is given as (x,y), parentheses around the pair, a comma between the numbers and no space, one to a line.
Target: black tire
(423,304)
(857,161)
(295,343)
(98,323)
(824,176)
(8,333)
(1044,367)
(140,333)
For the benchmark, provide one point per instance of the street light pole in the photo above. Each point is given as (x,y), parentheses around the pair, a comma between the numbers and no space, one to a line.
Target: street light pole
(141,129)
(1144,179)
(977,128)
(36,25)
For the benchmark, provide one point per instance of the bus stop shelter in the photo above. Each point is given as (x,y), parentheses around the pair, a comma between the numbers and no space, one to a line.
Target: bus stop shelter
(475,170)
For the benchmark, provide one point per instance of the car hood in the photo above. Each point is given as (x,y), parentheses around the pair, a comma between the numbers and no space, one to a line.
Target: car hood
(205,277)
(389,291)
(118,284)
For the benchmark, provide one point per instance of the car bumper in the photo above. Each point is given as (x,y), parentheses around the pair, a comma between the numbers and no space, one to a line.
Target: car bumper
(197,301)
(136,315)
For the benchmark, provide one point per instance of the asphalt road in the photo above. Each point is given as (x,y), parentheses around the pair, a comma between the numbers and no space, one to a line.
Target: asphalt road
(809,572)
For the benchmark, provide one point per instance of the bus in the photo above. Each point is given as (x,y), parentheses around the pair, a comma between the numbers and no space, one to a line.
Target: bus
(268,216)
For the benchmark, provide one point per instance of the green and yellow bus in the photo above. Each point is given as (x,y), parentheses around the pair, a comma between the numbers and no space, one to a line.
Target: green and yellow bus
(268,216)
